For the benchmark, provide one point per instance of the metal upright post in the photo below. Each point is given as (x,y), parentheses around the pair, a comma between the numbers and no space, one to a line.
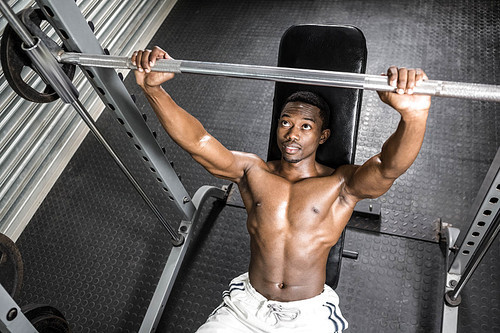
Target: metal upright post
(484,227)
(69,23)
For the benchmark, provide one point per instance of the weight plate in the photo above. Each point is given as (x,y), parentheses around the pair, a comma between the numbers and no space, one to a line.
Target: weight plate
(14,59)
(11,266)
(46,319)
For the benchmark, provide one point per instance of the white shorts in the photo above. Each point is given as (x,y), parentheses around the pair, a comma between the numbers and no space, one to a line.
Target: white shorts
(245,310)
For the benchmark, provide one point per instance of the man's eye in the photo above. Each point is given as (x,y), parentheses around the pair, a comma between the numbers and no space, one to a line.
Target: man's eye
(306,127)
(285,123)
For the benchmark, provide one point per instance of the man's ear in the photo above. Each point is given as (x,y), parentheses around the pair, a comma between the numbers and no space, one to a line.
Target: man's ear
(325,134)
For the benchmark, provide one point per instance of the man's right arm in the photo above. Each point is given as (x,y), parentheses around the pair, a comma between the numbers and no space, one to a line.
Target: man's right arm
(182,127)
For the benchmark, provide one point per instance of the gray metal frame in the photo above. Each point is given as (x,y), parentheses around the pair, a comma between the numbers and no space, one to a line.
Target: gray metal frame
(462,261)
(175,259)
(68,22)
(79,37)
(11,317)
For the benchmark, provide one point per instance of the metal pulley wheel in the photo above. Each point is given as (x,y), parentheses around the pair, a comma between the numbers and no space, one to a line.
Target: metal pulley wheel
(11,266)
(14,60)
(46,319)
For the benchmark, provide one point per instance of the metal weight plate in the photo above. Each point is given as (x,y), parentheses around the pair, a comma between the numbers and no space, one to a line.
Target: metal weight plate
(14,59)
(11,266)
(46,319)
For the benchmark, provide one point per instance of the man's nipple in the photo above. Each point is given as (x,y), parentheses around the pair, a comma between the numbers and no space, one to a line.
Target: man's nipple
(281,285)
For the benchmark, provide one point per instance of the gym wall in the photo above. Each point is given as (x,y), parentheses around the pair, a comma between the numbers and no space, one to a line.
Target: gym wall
(38,140)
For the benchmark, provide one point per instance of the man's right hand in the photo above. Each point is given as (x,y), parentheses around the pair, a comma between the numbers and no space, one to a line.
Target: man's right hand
(144,60)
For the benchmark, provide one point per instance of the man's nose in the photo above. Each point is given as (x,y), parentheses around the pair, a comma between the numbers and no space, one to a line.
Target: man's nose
(293,134)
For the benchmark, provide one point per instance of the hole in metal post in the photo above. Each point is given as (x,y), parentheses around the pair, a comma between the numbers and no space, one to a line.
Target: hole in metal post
(493,200)
(130,134)
(481,223)
(49,11)
(487,212)
(466,252)
(476,234)
(64,34)
(138,147)
(120,120)
(145,158)
(470,243)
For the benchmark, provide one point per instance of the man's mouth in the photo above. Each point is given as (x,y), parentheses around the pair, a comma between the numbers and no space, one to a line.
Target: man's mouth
(291,148)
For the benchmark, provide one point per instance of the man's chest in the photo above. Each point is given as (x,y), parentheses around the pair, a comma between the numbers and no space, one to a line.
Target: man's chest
(273,197)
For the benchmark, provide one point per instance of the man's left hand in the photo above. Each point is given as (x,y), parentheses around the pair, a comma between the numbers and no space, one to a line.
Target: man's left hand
(403,100)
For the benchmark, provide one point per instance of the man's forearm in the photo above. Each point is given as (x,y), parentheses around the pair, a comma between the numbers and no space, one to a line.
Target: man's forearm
(182,127)
(401,149)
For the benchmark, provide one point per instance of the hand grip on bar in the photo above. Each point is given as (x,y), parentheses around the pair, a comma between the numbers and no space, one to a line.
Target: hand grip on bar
(475,91)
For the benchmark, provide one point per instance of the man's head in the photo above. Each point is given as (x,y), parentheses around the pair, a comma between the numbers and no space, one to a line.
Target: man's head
(303,126)
(312,99)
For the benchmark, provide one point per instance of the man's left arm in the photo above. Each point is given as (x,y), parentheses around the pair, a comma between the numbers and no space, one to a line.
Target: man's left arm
(398,153)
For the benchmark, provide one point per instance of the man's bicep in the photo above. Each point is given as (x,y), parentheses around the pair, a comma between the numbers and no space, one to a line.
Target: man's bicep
(367,180)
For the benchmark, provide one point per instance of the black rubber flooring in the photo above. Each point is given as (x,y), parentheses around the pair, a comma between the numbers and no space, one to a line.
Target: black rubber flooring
(95,251)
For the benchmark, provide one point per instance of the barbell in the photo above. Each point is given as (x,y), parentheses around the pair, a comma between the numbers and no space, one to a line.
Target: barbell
(13,60)
(475,91)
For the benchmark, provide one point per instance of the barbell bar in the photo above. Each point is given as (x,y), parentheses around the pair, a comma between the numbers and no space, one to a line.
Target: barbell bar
(474,91)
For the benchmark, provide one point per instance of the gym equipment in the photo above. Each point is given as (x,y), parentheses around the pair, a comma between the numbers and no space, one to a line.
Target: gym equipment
(461,262)
(46,318)
(110,96)
(291,75)
(30,318)
(14,59)
(11,266)
(66,19)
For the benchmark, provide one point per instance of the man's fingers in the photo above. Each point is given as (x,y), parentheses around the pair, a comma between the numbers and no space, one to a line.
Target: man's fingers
(410,81)
(137,57)
(133,58)
(157,53)
(402,79)
(145,61)
(392,75)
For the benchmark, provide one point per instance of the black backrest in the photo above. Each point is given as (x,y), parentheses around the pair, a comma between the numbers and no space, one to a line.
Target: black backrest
(334,48)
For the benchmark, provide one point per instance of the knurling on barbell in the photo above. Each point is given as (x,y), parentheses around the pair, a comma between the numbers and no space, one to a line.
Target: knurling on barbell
(14,59)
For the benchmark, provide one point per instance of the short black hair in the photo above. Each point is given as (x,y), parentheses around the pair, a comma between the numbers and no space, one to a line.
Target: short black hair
(312,99)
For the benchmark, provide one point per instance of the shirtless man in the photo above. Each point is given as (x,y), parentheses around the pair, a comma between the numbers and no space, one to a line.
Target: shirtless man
(297,208)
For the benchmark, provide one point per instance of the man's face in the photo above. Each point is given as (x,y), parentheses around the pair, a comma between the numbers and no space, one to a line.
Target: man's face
(299,131)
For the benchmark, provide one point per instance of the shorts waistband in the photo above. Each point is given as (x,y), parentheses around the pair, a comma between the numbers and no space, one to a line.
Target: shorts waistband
(244,280)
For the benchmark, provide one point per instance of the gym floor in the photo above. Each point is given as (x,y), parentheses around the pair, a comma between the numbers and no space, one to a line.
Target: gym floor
(95,251)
